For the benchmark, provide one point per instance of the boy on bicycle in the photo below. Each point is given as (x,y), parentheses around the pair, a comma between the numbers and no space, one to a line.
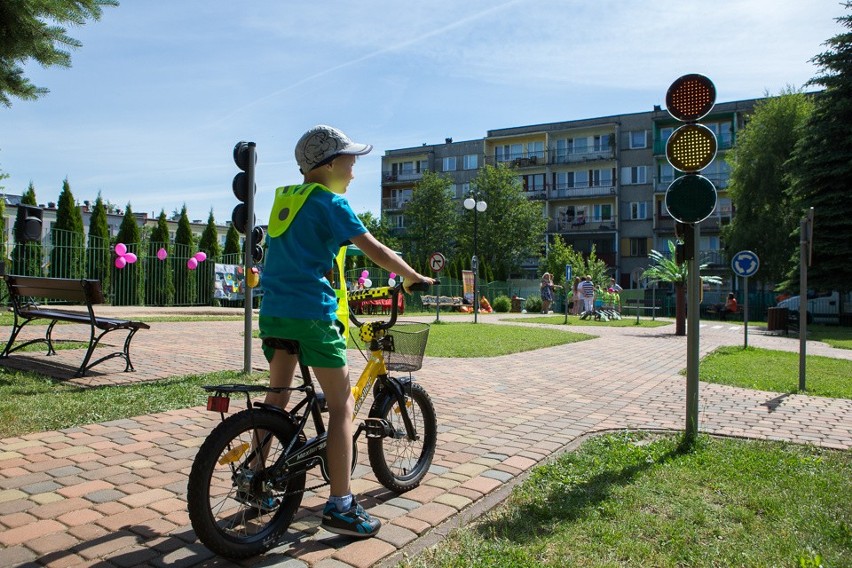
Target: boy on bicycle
(308,225)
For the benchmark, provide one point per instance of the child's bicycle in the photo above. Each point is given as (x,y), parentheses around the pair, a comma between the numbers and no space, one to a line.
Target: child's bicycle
(248,477)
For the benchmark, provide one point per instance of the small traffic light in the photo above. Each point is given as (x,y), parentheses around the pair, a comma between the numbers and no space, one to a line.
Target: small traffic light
(256,243)
(684,250)
(244,187)
(691,198)
(29,222)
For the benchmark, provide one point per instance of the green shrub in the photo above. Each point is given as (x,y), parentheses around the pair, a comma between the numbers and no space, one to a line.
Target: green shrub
(501,304)
(533,305)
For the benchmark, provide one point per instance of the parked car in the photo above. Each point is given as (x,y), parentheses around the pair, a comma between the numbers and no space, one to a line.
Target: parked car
(820,309)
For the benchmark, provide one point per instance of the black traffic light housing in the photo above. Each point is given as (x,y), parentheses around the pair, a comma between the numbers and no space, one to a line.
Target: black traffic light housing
(255,240)
(29,222)
(244,187)
(684,250)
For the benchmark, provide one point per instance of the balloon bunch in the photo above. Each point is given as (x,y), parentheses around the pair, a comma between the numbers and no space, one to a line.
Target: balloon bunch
(192,263)
(124,258)
(365,281)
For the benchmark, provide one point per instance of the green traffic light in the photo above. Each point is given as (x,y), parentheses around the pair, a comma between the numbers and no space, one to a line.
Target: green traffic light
(691,198)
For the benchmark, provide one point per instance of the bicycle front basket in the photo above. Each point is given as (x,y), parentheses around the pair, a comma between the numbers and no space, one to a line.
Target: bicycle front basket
(408,346)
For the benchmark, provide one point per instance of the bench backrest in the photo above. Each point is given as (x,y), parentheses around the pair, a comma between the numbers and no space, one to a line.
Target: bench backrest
(68,289)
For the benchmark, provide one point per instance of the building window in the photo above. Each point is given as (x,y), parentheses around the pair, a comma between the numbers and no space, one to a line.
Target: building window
(638,210)
(638,139)
(666,172)
(471,161)
(533,183)
(634,175)
(397,221)
(464,190)
(535,150)
(602,212)
(601,178)
(603,143)
(639,247)
(564,147)
(450,164)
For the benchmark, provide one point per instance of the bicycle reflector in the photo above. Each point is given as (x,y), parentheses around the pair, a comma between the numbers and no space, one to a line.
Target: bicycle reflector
(691,97)
(218,403)
(691,148)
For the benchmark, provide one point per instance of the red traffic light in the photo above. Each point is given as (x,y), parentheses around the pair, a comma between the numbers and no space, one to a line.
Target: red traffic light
(691,97)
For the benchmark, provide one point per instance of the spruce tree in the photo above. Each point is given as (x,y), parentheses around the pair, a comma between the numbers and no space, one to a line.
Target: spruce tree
(68,252)
(209,244)
(128,280)
(230,255)
(26,257)
(159,274)
(185,279)
(98,253)
(822,167)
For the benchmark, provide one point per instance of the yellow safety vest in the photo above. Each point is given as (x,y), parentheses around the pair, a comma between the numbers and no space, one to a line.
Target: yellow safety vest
(288,201)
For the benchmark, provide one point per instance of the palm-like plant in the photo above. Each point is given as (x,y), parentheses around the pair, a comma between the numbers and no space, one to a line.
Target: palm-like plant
(666,269)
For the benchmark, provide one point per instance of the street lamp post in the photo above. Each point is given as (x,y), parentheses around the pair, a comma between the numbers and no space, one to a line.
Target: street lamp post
(473,203)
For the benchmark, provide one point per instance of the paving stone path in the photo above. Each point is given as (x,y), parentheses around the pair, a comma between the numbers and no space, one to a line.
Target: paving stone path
(112,494)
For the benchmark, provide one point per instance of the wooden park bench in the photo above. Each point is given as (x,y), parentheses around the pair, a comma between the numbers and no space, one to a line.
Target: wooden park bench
(25,290)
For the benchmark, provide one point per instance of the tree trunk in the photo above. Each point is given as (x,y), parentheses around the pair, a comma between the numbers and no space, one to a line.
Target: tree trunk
(680,309)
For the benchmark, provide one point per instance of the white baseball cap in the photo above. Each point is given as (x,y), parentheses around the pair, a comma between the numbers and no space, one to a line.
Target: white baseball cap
(322,143)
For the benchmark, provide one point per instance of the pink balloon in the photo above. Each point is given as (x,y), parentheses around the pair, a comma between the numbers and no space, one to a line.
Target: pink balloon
(192,264)
(361,280)
(130,258)
(392,275)
(120,249)
(200,256)
(365,273)
(120,262)
(162,254)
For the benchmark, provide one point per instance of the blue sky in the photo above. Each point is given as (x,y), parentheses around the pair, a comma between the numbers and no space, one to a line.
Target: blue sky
(161,90)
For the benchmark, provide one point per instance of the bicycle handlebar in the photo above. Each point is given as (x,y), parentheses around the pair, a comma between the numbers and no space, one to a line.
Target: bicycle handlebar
(384,293)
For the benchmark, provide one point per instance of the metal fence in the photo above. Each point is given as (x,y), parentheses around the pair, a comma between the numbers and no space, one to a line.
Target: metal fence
(146,276)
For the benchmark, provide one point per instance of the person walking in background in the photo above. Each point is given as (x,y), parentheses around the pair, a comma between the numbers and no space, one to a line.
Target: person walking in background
(587,288)
(575,309)
(547,286)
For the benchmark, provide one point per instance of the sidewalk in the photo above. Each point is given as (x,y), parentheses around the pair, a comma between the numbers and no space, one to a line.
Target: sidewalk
(113,494)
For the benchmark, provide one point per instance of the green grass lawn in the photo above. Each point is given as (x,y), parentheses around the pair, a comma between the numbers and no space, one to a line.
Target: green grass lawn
(635,500)
(839,337)
(557,319)
(33,403)
(776,371)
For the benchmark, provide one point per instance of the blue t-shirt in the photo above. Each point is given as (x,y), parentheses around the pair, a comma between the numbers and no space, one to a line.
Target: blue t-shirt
(294,282)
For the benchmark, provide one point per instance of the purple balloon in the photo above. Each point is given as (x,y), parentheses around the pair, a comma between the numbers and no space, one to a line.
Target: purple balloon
(129,257)
(192,264)
(200,256)
(162,254)
(120,262)
(120,249)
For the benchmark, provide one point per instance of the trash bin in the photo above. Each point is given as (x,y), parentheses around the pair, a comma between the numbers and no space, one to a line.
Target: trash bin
(776,319)
(517,304)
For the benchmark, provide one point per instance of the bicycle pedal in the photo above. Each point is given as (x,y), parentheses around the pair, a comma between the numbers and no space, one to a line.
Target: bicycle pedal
(376,428)
(323,403)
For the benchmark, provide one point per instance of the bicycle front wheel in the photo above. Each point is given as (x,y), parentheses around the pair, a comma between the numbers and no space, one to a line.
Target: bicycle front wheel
(238,504)
(399,462)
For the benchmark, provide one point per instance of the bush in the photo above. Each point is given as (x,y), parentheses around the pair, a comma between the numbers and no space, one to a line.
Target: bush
(533,305)
(501,304)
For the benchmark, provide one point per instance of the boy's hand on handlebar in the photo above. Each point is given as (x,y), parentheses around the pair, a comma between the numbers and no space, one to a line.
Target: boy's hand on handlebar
(419,278)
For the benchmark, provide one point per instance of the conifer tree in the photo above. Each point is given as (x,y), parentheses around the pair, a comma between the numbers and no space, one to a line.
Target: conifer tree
(68,252)
(128,280)
(232,246)
(26,257)
(822,167)
(159,274)
(98,253)
(185,279)
(209,244)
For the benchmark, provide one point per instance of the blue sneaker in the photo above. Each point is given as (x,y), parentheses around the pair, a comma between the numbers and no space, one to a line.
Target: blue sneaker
(354,522)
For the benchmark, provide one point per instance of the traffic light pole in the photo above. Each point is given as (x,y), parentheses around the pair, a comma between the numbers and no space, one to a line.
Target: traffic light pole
(248,260)
(692,308)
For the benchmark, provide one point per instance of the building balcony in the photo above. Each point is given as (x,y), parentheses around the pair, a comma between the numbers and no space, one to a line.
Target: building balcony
(407,177)
(582,224)
(559,157)
(551,157)
(562,191)
(393,204)
(519,161)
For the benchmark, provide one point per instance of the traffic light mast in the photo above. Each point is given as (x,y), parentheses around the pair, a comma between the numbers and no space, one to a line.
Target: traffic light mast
(245,156)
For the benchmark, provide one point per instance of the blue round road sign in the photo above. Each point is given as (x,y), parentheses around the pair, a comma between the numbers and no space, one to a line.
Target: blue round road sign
(745,263)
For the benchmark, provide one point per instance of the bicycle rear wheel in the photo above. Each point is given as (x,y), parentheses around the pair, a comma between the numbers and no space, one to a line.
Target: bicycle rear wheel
(401,463)
(237,508)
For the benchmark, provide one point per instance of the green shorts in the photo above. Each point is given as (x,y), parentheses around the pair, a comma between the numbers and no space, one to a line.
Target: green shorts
(321,343)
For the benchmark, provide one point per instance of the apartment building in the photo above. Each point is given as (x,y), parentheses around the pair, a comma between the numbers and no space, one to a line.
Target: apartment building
(601,181)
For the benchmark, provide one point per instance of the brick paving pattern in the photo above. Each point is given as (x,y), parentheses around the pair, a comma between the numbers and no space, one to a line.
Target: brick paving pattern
(113,494)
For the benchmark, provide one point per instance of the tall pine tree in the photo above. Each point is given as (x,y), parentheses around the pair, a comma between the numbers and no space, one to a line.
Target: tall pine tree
(159,274)
(67,236)
(822,167)
(128,280)
(231,252)
(185,279)
(27,257)
(209,244)
(98,253)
